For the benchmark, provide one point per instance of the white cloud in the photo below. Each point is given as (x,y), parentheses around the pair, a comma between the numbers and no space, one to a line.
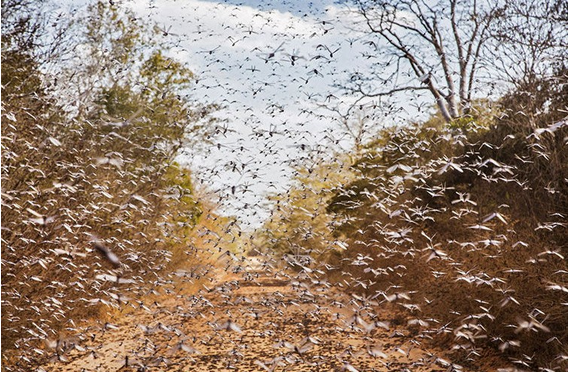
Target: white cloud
(271,65)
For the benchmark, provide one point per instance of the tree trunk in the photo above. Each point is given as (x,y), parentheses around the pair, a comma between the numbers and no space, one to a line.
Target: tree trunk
(443,106)
(453,106)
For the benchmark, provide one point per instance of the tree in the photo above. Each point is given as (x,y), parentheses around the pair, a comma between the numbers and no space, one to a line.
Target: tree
(454,49)
(430,47)
(299,226)
(529,42)
(102,174)
(30,26)
(354,124)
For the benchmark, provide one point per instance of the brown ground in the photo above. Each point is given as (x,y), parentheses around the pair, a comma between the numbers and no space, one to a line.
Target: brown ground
(282,324)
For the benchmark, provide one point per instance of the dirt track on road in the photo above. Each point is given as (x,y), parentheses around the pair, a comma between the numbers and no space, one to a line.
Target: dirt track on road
(256,320)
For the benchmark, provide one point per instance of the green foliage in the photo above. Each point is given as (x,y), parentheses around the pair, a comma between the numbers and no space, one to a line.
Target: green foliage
(462,123)
(137,85)
(299,225)
(166,76)
(180,188)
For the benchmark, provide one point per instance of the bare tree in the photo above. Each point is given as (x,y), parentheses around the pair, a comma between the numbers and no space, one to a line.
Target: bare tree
(429,46)
(355,124)
(530,41)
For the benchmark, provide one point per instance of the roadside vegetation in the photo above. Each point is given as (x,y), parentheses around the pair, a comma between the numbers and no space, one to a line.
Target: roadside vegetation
(457,223)
(462,226)
(95,203)
(459,220)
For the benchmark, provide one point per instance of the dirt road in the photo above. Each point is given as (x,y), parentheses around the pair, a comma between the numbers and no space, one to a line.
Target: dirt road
(255,320)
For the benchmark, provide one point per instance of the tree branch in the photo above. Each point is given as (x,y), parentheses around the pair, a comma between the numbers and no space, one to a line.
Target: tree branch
(360,90)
